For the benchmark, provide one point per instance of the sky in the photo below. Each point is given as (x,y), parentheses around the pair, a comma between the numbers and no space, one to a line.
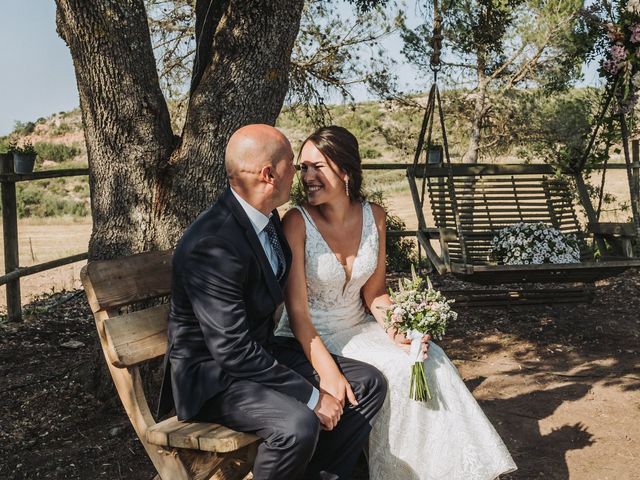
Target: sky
(38,78)
(37,71)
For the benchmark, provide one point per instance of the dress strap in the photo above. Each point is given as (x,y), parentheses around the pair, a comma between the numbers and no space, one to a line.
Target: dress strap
(309,224)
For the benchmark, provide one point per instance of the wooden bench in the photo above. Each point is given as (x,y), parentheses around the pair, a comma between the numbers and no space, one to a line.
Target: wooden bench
(132,338)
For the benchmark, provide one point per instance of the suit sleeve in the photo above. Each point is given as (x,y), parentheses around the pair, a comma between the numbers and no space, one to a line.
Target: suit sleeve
(215,289)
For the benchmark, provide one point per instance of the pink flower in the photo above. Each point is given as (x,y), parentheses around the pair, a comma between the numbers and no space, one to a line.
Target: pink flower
(610,66)
(635,33)
(618,53)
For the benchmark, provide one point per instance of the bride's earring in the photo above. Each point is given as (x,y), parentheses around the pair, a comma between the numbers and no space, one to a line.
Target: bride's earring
(346,186)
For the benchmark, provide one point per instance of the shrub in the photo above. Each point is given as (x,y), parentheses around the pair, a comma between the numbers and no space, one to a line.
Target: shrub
(24,128)
(370,153)
(61,129)
(25,149)
(56,152)
(50,198)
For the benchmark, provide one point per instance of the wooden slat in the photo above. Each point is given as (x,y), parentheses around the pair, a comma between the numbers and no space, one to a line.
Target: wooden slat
(473,170)
(137,337)
(128,280)
(540,185)
(495,297)
(209,437)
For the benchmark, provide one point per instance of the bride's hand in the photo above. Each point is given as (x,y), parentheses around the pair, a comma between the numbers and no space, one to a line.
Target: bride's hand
(338,386)
(403,342)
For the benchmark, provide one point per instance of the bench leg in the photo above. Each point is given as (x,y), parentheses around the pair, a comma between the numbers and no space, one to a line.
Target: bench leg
(219,466)
(238,465)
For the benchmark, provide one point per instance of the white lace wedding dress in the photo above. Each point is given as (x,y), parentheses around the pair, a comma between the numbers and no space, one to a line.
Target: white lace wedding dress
(446,438)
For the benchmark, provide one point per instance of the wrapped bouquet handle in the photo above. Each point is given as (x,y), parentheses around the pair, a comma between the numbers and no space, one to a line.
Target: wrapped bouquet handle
(419,388)
(416,353)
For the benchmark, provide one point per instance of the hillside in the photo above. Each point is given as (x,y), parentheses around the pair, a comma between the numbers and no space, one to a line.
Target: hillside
(528,126)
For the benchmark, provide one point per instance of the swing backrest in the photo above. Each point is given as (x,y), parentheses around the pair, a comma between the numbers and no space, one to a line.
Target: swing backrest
(491,197)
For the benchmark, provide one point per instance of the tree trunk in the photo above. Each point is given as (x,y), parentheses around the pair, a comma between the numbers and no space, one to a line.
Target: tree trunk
(479,112)
(147,184)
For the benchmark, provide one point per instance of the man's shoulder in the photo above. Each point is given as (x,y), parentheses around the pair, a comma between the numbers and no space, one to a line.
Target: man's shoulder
(214,224)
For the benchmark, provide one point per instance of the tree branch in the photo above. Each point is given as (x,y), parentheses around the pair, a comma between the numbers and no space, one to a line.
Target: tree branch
(208,16)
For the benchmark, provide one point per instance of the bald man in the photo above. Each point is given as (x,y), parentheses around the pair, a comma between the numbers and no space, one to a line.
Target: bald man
(223,363)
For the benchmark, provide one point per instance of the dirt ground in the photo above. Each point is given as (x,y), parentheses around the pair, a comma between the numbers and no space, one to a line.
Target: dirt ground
(560,383)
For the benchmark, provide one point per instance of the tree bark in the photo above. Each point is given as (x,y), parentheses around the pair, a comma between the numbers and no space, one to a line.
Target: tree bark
(147,185)
(245,82)
(479,112)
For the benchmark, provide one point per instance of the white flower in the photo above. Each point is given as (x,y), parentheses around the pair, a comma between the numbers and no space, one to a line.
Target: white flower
(633,6)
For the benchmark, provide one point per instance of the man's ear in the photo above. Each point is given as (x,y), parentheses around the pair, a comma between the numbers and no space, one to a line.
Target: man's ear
(265,174)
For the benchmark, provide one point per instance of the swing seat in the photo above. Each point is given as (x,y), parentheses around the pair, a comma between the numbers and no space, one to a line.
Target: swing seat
(487,198)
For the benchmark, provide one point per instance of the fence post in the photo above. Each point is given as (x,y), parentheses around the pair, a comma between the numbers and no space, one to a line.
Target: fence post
(10,230)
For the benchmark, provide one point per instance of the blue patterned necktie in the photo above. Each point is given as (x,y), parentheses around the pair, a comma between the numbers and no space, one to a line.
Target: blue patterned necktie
(277,248)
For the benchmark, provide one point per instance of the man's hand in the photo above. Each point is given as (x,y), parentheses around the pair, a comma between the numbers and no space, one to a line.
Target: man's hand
(328,411)
(338,387)
(403,342)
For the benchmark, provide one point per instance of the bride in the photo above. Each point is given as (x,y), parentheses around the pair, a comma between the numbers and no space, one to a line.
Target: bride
(337,278)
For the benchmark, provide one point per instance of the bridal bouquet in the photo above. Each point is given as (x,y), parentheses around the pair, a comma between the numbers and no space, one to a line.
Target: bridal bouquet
(534,243)
(417,310)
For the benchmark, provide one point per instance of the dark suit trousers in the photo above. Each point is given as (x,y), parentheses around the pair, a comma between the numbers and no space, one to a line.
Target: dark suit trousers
(294,446)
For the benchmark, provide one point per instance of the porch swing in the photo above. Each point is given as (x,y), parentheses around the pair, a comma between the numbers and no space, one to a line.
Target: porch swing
(470,203)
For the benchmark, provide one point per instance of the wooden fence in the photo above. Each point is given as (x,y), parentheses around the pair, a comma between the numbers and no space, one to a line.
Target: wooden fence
(14,272)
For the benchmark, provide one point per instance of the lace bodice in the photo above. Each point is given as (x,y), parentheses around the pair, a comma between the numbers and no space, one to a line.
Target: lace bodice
(334,301)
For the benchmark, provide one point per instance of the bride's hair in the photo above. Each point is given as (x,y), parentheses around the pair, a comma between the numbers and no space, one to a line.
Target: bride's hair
(341,147)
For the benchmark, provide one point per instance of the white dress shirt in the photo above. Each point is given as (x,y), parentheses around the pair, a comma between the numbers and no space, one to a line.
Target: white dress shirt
(259,221)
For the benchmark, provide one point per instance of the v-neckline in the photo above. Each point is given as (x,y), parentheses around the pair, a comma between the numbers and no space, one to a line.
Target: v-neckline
(348,279)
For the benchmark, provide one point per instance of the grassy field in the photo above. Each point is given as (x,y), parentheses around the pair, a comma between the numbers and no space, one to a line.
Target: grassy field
(42,240)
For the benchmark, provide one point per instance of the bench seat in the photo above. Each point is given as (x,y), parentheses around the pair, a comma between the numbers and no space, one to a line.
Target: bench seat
(208,437)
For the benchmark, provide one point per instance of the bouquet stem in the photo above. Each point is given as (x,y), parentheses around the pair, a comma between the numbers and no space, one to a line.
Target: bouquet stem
(419,389)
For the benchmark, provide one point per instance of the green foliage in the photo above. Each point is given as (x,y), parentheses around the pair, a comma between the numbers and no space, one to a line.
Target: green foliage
(56,152)
(366,153)
(25,148)
(401,253)
(493,47)
(51,198)
(24,128)
(61,129)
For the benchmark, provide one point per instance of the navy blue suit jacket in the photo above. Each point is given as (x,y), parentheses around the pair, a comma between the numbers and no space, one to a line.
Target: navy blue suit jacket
(223,297)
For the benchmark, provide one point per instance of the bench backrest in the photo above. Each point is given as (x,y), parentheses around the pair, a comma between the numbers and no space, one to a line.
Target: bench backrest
(492,200)
(136,337)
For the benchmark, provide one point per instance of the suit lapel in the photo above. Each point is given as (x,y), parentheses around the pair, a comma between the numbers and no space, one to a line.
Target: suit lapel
(238,212)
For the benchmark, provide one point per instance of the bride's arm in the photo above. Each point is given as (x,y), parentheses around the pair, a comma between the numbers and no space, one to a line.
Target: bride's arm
(331,379)
(374,292)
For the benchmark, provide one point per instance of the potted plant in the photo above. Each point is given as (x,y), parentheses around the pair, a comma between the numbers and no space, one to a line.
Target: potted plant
(24,157)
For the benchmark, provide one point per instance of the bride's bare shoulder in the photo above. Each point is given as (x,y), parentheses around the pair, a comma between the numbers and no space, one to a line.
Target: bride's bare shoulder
(379,213)
(292,221)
